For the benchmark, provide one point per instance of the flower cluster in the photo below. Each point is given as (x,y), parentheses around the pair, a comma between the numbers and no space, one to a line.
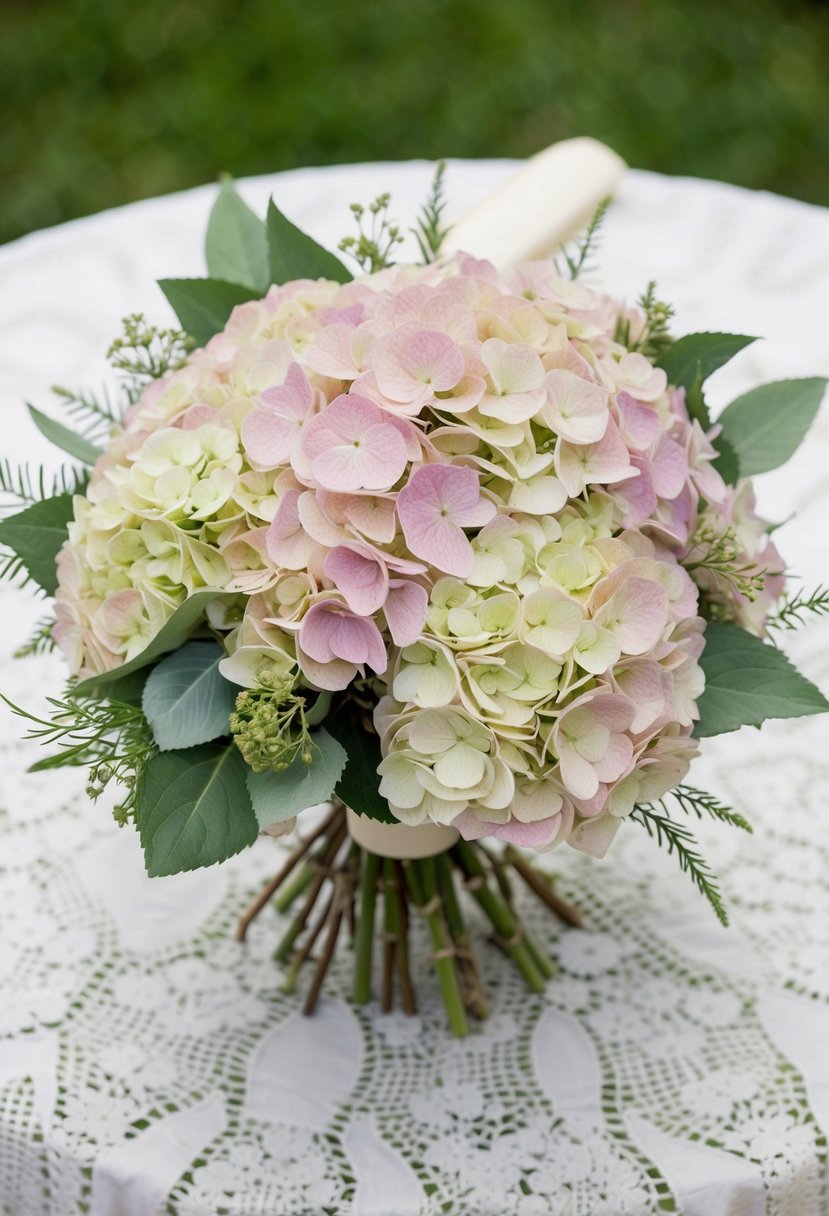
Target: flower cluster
(457,489)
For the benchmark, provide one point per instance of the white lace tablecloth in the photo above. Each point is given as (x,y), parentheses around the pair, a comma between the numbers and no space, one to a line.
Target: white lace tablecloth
(149,1064)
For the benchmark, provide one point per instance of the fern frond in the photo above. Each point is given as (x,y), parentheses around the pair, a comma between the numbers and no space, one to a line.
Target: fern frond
(21,486)
(429,230)
(41,640)
(576,255)
(12,569)
(702,804)
(96,415)
(793,610)
(679,840)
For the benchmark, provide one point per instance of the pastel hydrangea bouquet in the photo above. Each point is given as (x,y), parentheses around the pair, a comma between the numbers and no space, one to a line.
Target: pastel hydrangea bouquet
(457,552)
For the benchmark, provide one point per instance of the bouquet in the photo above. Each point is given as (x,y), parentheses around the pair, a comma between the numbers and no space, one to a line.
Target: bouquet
(453,550)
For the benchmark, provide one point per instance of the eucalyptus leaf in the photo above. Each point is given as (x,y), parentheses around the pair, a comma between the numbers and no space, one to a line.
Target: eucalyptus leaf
(186,698)
(193,809)
(204,305)
(36,535)
(173,633)
(359,785)
(293,254)
(765,426)
(700,354)
(62,437)
(279,796)
(748,681)
(236,245)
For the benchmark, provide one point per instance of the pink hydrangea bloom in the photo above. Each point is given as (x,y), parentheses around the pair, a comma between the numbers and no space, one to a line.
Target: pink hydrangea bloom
(459,488)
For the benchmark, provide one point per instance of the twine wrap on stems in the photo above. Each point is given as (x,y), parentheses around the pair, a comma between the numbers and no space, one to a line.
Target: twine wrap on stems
(341,881)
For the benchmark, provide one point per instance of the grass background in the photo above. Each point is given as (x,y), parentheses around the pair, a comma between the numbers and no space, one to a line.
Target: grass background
(105,101)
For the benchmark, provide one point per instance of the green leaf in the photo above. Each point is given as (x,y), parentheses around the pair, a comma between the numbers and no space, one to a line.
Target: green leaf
(173,633)
(701,354)
(766,425)
(236,245)
(61,436)
(727,463)
(186,698)
(204,305)
(748,681)
(193,808)
(36,535)
(695,401)
(359,785)
(279,796)
(293,254)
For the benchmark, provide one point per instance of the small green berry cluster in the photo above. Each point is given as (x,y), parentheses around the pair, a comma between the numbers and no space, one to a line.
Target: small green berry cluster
(269,726)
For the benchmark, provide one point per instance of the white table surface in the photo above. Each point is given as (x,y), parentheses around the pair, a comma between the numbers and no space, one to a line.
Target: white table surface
(150,1065)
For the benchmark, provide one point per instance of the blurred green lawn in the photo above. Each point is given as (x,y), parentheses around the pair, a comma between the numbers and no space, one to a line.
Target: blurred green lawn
(105,102)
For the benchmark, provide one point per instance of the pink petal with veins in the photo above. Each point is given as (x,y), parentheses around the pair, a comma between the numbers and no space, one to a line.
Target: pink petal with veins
(639,423)
(434,507)
(669,467)
(287,543)
(405,610)
(360,576)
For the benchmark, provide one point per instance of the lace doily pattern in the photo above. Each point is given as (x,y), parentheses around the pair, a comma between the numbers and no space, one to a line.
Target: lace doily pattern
(150,1065)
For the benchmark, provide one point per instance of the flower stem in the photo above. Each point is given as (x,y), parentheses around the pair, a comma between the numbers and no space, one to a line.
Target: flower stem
(406,986)
(331,847)
(364,949)
(292,889)
(421,877)
(540,886)
(509,931)
(267,892)
(391,933)
(468,973)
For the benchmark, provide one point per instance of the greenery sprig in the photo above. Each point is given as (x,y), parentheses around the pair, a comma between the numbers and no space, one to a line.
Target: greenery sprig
(372,247)
(575,257)
(655,337)
(23,486)
(41,640)
(429,230)
(704,805)
(677,839)
(719,553)
(112,738)
(792,612)
(145,352)
(95,415)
